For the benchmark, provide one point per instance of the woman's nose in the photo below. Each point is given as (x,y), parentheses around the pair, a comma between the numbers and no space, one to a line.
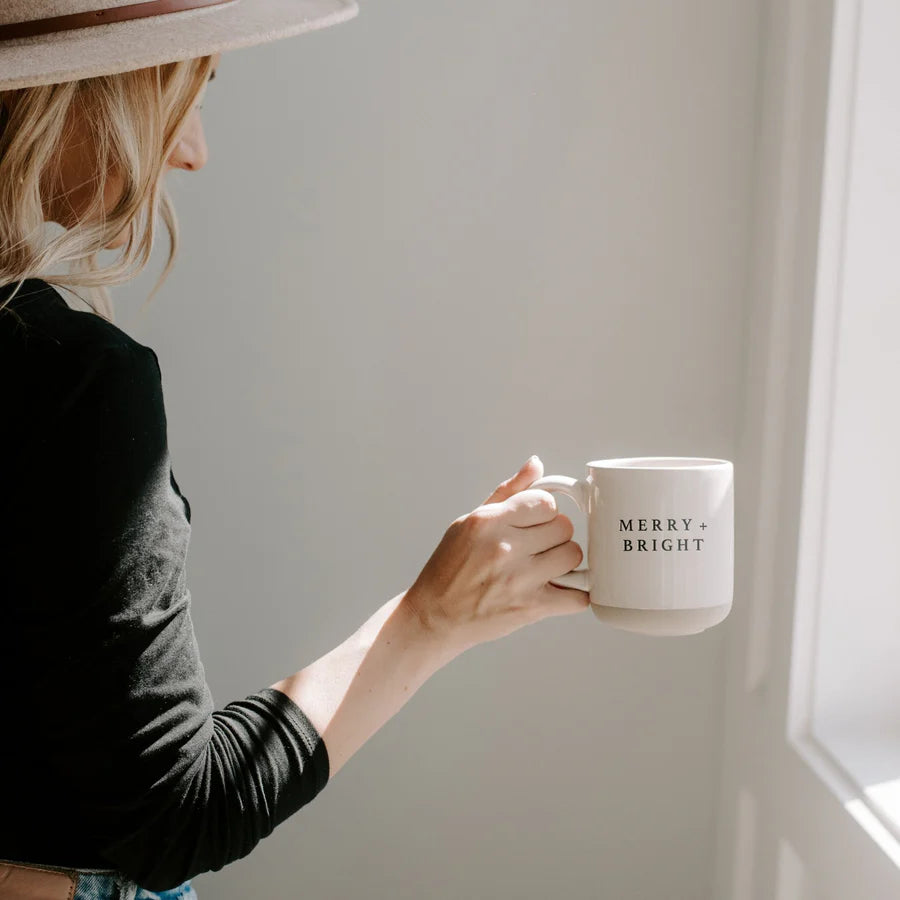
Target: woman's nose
(191,152)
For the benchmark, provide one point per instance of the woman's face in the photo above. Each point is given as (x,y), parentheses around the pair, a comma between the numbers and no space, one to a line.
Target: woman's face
(76,167)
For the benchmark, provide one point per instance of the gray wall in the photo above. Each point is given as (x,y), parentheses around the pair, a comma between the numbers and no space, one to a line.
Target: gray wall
(429,243)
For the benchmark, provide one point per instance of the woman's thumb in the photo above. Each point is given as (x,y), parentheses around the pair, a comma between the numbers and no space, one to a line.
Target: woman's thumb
(530,472)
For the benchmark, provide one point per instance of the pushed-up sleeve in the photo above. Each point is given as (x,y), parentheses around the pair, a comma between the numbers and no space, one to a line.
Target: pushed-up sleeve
(164,785)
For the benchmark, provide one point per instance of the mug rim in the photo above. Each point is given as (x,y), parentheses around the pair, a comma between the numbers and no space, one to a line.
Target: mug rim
(680,463)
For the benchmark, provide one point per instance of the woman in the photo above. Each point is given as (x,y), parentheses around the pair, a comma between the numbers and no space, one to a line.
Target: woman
(120,777)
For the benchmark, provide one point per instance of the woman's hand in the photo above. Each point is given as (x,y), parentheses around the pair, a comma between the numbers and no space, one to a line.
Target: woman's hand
(489,575)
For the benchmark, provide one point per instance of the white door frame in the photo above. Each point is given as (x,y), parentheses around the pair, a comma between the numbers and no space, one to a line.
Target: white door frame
(787,825)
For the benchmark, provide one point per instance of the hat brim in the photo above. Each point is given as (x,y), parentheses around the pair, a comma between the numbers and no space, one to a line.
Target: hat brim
(123,46)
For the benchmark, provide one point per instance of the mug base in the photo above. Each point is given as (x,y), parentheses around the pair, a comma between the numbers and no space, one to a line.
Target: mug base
(662,622)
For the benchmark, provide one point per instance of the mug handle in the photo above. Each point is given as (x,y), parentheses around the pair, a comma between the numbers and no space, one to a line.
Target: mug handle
(578,490)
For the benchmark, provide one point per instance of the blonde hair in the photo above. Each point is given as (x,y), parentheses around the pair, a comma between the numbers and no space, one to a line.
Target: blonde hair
(134,120)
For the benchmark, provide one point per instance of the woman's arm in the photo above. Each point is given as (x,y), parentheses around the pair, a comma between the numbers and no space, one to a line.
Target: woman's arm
(488,576)
(167,785)
(350,692)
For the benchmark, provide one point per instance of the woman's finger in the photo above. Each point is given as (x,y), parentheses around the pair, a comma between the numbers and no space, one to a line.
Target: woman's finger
(556,561)
(559,601)
(538,538)
(532,506)
(530,472)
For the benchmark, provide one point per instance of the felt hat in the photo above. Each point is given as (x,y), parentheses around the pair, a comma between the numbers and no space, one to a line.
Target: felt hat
(50,41)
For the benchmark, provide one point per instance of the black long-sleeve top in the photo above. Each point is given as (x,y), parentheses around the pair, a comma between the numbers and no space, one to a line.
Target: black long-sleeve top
(112,754)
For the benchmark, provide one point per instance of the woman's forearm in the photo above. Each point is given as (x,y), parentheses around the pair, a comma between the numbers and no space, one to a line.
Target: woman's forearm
(350,692)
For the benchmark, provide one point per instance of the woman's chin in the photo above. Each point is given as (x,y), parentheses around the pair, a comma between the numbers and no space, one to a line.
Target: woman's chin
(121,238)
(119,241)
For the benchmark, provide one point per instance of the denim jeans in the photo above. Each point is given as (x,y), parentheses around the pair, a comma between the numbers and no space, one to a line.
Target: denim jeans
(108,884)
(93,885)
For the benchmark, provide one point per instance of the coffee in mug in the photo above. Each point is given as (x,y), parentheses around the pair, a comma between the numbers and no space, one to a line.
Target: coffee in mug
(660,541)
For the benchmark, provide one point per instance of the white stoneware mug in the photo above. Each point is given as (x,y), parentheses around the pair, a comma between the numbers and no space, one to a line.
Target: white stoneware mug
(660,541)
